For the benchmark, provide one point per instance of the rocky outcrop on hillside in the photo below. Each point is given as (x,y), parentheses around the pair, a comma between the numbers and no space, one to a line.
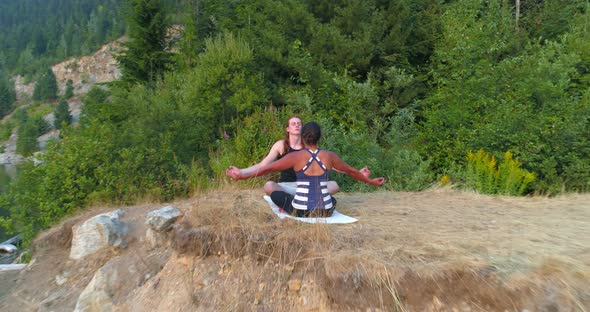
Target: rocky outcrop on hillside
(23,89)
(9,154)
(86,71)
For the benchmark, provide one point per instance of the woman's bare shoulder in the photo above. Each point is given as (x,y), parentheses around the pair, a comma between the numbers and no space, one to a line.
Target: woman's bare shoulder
(279,147)
(327,153)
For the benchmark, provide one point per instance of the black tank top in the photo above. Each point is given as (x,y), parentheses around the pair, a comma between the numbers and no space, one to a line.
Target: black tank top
(289,174)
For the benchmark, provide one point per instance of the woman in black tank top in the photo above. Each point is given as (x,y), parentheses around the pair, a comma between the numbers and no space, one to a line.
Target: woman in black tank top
(289,174)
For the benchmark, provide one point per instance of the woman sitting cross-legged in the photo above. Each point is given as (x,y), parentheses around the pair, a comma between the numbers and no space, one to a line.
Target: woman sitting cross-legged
(311,166)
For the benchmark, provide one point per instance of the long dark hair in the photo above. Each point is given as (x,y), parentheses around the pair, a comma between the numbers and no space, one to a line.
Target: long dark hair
(286,140)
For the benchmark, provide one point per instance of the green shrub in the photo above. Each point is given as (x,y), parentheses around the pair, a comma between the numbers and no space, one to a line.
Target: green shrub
(403,168)
(495,88)
(6,129)
(483,173)
(28,133)
(197,178)
(92,165)
(21,116)
(512,180)
(39,109)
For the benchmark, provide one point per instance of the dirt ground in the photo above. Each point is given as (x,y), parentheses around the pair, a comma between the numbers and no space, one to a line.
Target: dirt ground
(438,250)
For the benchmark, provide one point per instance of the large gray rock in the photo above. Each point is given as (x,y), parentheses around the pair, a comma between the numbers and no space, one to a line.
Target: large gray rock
(153,239)
(116,279)
(98,294)
(161,219)
(102,231)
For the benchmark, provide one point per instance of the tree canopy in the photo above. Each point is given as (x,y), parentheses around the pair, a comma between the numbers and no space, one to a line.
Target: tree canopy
(146,56)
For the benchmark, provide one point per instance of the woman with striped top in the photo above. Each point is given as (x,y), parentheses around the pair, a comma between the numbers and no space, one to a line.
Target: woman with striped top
(311,166)
(291,143)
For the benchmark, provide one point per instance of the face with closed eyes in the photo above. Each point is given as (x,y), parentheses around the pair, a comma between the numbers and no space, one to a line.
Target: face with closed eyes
(294,126)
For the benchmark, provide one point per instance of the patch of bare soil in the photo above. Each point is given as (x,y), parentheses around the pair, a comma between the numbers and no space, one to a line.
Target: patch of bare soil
(427,251)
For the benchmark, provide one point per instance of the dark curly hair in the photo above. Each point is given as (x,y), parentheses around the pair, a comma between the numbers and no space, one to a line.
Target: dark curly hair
(311,133)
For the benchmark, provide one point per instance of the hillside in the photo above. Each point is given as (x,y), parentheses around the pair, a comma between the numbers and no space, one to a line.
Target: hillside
(84,71)
(428,251)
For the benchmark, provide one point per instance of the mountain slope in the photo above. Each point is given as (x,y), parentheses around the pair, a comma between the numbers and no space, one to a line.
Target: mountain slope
(428,251)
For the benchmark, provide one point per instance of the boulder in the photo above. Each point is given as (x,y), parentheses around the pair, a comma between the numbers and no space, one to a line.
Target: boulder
(152,239)
(161,219)
(116,279)
(102,231)
(98,294)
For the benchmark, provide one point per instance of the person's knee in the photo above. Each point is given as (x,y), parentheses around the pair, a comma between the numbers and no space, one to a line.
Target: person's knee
(333,187)
(270,187)
(278,198)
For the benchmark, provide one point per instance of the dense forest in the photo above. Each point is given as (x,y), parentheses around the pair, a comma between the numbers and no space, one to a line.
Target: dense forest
(36,34)
(489,95)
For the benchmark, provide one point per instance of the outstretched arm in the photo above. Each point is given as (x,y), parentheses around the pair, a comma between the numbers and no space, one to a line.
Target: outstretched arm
(281,164)
(274,153)
(364,170)
(361,175)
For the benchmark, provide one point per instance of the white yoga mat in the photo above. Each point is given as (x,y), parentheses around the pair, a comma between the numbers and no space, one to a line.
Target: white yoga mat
(336,218)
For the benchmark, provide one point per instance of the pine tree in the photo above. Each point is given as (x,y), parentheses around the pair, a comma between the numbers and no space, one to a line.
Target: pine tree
(28,133)
(7,95)
(188,43)
(26,143)
(62,114)
(145,60)
(69,89)
(46,87)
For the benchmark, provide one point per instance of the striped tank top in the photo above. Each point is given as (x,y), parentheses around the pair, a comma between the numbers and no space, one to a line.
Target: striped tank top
(312,191)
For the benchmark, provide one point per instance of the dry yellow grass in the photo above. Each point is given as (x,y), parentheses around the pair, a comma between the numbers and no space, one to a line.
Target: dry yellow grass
(412,246)
(438,250)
